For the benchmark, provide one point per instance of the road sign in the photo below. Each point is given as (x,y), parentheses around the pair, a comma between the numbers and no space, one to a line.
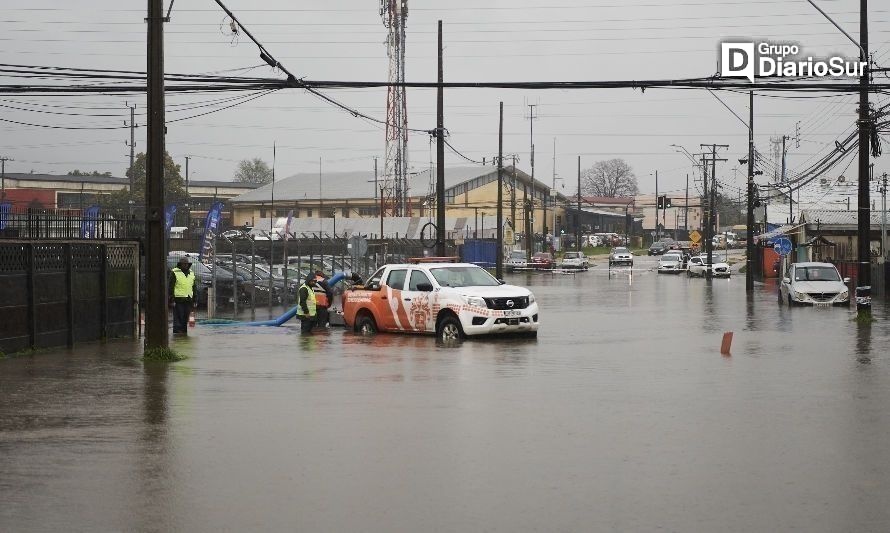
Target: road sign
(782,245)
(694,236)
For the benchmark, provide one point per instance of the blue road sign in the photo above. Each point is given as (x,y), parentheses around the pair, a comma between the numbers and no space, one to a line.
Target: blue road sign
(782,245)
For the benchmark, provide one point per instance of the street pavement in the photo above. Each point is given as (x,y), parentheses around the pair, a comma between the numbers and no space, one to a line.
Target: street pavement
(622,416)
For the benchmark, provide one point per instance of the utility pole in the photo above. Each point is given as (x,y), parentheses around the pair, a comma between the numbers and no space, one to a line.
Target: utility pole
(155,243)
(3,161)
(686,207)
(528,222)
(188,198)
(749,243)
(863,278)
(375,179)
(709,229)
(132,145)
(657,232)
(884,216)
(578,214)
(440,157)
(499,266)
(513,197)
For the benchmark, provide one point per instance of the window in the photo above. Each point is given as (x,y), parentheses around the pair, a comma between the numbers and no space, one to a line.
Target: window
(345,212)
(417,277)
(396,279)
(309,213)
(263,213)
(373,282)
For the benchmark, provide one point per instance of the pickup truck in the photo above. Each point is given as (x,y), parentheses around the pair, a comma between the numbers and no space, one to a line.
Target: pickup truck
(450,300)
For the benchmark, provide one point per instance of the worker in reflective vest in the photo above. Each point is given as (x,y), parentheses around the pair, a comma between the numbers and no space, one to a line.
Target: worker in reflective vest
(306,306)
(182,287)
(323,297)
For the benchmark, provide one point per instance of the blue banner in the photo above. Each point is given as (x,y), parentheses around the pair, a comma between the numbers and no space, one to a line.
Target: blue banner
(5,208)
(211,225)
(169,213)
(88,222)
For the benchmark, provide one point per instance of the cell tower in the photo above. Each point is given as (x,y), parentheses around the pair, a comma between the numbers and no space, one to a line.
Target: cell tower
(395,168)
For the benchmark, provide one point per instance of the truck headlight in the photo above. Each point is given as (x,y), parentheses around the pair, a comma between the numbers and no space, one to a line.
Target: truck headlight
(799,295)
(531,298)
(475,301)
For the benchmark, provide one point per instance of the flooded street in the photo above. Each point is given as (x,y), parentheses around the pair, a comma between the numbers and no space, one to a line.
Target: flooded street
(623,415)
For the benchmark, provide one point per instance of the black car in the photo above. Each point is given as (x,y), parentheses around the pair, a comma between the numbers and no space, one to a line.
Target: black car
(658,248)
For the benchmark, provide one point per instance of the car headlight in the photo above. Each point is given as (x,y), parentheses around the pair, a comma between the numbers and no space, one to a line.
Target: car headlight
(531,298)
(799,295)
(475,301)
(845,294)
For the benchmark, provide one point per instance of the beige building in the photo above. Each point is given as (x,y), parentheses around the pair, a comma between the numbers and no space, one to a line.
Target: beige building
(470,193)
(674,219)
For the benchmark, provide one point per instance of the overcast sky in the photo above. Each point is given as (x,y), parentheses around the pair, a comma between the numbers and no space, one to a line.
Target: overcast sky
(509,40)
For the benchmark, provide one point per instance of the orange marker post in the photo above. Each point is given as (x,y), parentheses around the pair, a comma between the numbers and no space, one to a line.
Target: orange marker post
(726,345)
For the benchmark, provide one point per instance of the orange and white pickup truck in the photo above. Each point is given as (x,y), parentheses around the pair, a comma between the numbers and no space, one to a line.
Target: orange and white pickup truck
(452,300)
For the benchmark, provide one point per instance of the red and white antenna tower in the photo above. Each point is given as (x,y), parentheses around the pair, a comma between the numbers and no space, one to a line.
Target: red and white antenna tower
(395,168)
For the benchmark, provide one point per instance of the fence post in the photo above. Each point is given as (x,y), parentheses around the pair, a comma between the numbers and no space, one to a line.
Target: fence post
(69,293)
(32,297)
(103,291)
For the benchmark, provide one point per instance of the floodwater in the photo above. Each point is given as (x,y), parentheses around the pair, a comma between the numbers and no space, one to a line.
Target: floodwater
(623,415)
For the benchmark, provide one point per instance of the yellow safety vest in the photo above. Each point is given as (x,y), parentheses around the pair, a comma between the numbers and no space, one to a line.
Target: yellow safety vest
(185,284)
(310,301)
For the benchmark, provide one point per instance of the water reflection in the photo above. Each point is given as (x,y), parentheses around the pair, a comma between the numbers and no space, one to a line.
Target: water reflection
(863,342)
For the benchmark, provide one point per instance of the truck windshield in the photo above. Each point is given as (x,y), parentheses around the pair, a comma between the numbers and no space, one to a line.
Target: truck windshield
(463,276)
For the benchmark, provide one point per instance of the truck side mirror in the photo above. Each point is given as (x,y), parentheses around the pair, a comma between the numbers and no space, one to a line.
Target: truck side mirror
(425,287)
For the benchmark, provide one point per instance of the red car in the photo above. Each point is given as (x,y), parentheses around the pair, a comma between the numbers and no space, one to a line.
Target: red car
(542,261)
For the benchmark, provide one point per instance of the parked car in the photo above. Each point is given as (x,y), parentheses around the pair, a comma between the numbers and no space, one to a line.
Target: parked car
(698,266)
(451,300)
(621,256)
(516,260)
(813,284)
(575,260)
(671,263)
(658,248)
(542,261)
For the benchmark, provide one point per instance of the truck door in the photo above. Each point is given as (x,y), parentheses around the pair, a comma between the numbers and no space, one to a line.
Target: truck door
(389,301)
(419,303)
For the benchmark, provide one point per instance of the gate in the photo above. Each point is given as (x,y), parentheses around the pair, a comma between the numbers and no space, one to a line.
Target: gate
(58,293)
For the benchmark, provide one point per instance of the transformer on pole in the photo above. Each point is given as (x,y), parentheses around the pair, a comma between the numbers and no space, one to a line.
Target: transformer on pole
(395,168)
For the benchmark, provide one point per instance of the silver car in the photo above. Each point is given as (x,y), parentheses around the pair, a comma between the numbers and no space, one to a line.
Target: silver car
(621,256)
(670,263)
(814,284)
(574,260)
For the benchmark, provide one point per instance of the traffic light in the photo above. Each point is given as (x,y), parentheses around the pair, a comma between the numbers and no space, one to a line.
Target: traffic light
(663,202)
(667,202)
(659,204)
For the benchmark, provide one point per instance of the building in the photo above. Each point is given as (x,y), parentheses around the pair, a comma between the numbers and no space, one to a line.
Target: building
(49,191)
(470,194)
(824,234)
(676,221)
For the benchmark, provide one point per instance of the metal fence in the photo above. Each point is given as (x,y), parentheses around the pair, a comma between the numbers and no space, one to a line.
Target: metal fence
(59,293)
(62,224)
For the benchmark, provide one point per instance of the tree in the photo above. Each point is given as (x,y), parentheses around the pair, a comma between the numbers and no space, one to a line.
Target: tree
(174,186)
(611,178)
(728,210)
(253,171)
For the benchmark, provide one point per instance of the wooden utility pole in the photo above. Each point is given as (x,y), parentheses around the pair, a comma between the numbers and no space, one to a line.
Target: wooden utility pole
(440,157)
(749,244)
(499,266)
(155,244)
(578,213)
(863,274)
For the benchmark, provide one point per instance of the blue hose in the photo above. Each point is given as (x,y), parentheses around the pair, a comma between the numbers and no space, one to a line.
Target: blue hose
(289,314)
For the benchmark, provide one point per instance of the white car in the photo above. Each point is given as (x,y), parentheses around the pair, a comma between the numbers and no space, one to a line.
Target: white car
(813,283)
(450,300)
(670,263)
(574,260)
(698,266)
(621,256)
(516,261)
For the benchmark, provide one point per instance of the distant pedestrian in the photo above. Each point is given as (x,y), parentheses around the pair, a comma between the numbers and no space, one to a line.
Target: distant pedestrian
(182,288)
(306,306)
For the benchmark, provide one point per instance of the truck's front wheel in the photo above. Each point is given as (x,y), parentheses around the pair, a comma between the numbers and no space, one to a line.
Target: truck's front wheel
(366,325)
(450,329)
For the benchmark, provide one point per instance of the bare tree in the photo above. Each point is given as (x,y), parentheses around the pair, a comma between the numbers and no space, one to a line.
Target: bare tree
(253,171)
(610,178)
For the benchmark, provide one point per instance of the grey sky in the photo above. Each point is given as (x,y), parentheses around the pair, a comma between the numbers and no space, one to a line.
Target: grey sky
(485,41)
